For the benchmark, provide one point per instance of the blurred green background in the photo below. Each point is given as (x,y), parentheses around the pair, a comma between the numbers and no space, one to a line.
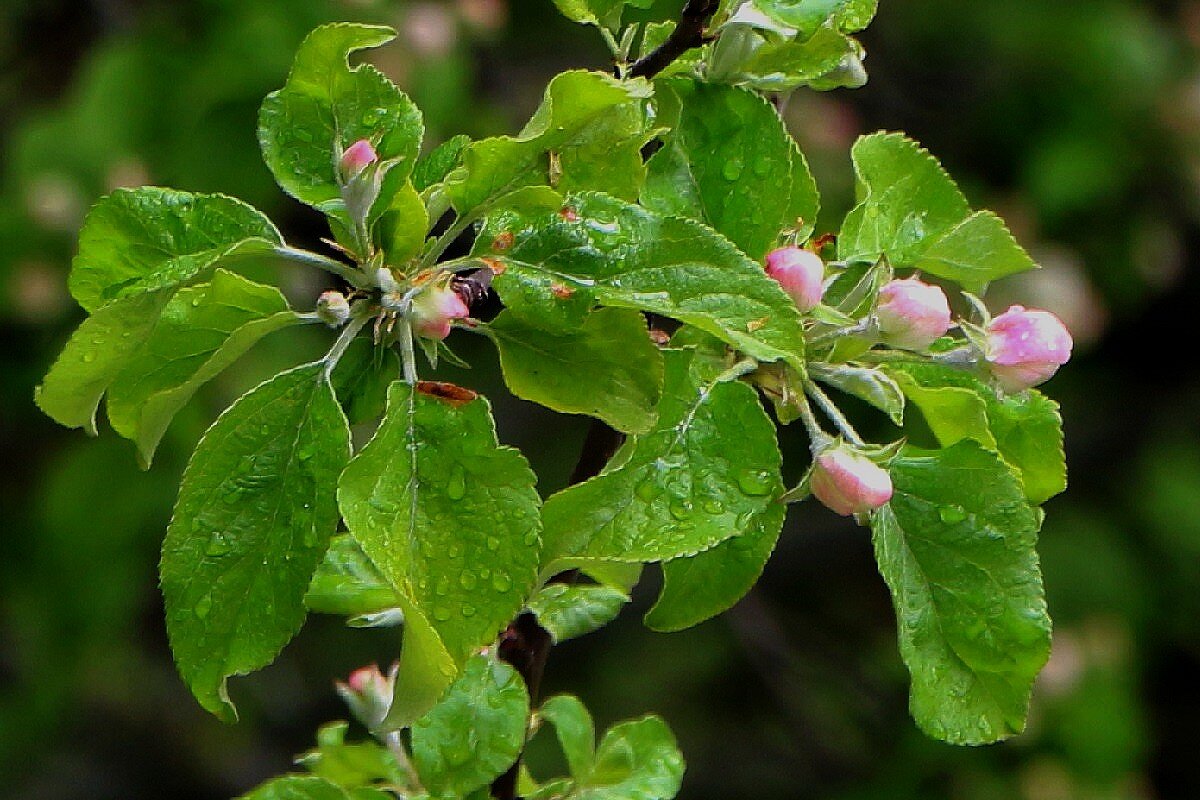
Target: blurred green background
(1076,120)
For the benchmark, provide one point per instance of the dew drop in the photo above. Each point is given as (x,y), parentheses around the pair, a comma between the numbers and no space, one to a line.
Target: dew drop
(456,489)
(713,506)
(681,509)
(441,614)
(218,545)
(467,580)
(951,514)
(755,482)
(732,170)
(203,606)
(468,610)
(501,583)
(89,358)
(493,543)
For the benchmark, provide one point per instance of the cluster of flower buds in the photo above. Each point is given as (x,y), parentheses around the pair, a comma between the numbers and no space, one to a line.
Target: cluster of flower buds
(1020,349)
(848,482)
(368,693)
(1024,347)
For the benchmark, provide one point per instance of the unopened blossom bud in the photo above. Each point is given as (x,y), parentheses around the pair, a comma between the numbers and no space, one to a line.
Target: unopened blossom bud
(849,483)
(368,693)
(333,308)
(434,309)
(1025,348)
(356,158)
(800,272)
(912,314)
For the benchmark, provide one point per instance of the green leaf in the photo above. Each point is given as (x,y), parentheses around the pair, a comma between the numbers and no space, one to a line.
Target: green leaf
(140,240)
(587,135)
(601,13)
(626,256)
(956,547)
(95,355)
(201,331)
(806,16)
(426,669)
(351,765)
(347,583)
(700,587)
(722,164)
(975,252)
(683,488)
(433,168)
(326,106)
(450,518)
(636,760)
(362,377)
(255,513)
(855,15)
(910,210)
(570,611)
(404,225)
(608,368)
(1025,429)
(575,730)
(296,787)
(866,383)
(475,732)
(826,60)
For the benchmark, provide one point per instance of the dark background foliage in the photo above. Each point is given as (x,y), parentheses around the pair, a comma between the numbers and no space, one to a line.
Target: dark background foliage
(1077,121)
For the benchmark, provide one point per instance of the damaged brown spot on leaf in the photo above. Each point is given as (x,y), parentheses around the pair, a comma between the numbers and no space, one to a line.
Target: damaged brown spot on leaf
(451,393)
(503,241)
(569,214)
(757,324)
(561,291)
(496,266)
(821,242)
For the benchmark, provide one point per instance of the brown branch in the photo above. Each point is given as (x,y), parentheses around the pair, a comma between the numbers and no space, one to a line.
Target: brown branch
(688,33)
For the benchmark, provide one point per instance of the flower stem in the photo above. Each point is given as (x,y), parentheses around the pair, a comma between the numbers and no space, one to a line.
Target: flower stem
(407,353)
(351,275)
(834,413)
(357,321)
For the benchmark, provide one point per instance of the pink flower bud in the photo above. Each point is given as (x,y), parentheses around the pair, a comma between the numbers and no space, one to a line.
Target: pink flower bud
(800,273)
(912,314)
(356,158)
(333,308)
(1026,348)
(433,310)
(368,693)
(849,483)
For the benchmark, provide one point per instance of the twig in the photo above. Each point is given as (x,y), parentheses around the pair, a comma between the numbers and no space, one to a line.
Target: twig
(688,33)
